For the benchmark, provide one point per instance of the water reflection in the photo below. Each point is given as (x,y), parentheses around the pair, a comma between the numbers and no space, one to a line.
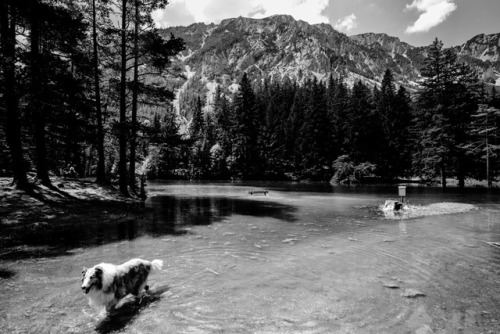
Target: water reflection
(168,215)
(6,274)
(172,214)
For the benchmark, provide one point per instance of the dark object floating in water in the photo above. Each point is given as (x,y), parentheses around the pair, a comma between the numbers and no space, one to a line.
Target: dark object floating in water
(265,192)
(392,205)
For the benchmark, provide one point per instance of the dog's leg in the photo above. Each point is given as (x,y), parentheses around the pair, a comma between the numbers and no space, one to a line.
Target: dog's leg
(128,299)
(109,307)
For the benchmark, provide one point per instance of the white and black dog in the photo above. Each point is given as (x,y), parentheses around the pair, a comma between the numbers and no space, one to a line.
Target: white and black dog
(108,284)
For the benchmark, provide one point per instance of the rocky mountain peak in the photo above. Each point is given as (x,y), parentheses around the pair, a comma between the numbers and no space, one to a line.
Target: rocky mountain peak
(281,47)
(483,47)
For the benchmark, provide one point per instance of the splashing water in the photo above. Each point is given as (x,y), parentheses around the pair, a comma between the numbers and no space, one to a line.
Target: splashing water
(409,211)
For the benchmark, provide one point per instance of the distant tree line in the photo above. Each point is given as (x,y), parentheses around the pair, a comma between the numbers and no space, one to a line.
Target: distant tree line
(325,130)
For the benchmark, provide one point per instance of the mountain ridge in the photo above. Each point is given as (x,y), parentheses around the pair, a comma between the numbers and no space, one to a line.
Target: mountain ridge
(281,47)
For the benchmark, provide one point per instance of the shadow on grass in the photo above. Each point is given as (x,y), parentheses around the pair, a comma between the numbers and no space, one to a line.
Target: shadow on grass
(117,320)
(38,193)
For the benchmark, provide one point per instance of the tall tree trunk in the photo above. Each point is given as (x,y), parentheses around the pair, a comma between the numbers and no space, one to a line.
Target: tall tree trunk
(488,178)
(461,173)
(133,129)
(122,164)
(101,168)
(37,110)
(443,175)
(12,123)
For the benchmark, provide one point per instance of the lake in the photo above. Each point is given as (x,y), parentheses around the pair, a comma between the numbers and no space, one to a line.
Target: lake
(305,258)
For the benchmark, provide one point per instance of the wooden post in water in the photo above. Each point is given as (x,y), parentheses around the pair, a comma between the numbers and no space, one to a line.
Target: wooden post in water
(402,193)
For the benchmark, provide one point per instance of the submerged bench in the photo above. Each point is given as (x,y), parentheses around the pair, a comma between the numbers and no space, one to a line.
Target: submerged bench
(259,192)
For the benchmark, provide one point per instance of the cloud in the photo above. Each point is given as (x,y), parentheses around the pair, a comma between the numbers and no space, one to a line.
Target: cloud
(175,14)
(434,12)
(185,12)
(347,23)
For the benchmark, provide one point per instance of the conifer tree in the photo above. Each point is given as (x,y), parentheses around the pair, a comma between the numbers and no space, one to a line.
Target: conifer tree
(101,167)
(485,134)
(38,112)
(444,107)
(293,135)
(122,162)
(8,17)
(245,130)
(315,132)
(196,127)
(362,127)
(224,126)
(339,117)
(393,110)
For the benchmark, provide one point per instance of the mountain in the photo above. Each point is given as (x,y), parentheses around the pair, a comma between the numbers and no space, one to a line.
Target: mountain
(280,46)
(482,52)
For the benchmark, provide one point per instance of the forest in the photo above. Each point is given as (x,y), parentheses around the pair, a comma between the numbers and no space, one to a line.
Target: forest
(87,87)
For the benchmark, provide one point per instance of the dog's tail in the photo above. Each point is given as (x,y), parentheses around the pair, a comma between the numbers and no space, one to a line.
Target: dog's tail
(157,264)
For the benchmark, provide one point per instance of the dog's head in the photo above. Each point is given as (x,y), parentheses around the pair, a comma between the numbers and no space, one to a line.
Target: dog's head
(92,278)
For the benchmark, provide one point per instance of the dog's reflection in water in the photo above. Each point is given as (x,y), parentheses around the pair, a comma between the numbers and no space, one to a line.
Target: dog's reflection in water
(130,308)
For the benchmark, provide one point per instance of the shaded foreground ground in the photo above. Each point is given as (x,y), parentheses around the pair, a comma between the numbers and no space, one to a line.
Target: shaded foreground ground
(50,221)
(291,262)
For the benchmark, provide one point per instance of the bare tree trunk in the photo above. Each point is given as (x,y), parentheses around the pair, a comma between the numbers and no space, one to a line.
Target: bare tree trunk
(101,168)
(12,123)
(488,178)
(133,129)
(38,112)
(122,164)
(443,175)
(461,172)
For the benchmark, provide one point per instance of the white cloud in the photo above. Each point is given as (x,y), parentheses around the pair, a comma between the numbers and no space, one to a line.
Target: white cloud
(347,23)
(184,12)
(434,12)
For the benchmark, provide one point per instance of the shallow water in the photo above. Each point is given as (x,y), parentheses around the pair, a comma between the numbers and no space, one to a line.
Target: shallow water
(304,259)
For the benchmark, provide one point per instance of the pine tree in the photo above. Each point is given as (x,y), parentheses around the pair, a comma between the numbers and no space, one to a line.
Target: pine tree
(122,163)
(101,167)
(293,135)
(151,50)
(402,135)
(245,130)
(444,107)
(338,115)
(484,134)
(8,17)
(197,123)
(38,112)
(362,128)
(315,132)
(394,112)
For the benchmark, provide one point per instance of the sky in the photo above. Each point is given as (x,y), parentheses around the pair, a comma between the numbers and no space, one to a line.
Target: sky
(417,22)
